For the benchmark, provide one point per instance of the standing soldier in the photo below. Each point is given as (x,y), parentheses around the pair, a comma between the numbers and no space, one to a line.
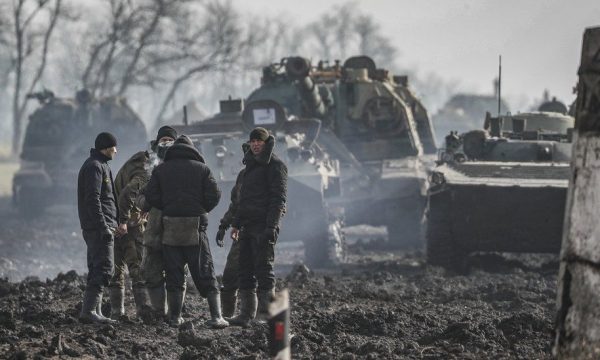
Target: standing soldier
(130,179)
(230,273)
(183,188)
(98,218)
(256,222)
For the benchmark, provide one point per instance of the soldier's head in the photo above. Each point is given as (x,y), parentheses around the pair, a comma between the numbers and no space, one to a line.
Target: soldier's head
(106,143)
(258,137)
(164,138)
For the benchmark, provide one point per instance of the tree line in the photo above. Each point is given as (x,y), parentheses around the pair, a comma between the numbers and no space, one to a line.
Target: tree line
(162,53)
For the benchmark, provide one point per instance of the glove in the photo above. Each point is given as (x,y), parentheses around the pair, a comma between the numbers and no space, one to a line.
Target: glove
(270,235)
(221,236)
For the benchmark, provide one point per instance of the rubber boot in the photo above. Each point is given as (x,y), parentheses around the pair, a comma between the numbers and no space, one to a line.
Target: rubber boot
(140,297)
(117,302)
(99,308)
(92,300)
(248,303)
(264,299)
(214,305)
(228,302)
(158,299)
(175,299)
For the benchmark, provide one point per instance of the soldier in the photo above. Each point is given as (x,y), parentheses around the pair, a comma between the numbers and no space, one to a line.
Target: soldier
(230,273)
(152,267)
(183,188)
(130,179)
(256,222)
(98,218)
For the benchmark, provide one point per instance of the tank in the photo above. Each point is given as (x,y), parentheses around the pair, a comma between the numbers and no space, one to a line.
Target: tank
(374,125)
(501,189)
(313,177)
(57,140)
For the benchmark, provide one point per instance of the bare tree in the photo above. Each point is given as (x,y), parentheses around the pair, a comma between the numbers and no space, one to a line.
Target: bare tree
(33,24)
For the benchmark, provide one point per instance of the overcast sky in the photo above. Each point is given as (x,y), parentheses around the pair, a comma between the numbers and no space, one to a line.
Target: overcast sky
(539,40)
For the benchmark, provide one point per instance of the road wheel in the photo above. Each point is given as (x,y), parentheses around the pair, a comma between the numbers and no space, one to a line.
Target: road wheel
(326,247)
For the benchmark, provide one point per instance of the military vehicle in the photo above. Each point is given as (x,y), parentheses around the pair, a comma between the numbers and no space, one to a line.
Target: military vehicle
(313,177)
(501,189)
(374,125)
(57,140)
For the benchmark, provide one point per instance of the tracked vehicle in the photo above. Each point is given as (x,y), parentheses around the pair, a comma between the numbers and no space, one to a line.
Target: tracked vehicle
(313,177)
(500,189)
(57,140)
(374,125)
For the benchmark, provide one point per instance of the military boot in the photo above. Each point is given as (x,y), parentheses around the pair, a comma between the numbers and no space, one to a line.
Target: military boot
(248,303)
(117,302)
(228,302)
(175,299)
(140,297)
(158,299)
(264,299)
(92,301)
(214,305)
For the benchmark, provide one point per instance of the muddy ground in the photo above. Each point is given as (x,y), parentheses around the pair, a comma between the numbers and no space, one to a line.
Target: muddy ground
(383,304)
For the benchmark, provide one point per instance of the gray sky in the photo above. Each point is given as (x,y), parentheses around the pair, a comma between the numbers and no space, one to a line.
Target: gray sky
(539,40)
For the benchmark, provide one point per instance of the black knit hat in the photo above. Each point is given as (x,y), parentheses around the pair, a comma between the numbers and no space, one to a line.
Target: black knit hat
(105,140)
(184,139)
(259,133)
(166,131)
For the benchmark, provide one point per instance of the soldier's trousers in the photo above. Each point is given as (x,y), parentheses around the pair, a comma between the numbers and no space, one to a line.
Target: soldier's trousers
(153,267)
(230,273)
(128,254)
(256,260)
(200,264)
(100,258)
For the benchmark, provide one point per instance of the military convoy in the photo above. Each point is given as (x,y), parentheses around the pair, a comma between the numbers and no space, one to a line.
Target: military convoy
(57,140)
(500,189)
(353,137)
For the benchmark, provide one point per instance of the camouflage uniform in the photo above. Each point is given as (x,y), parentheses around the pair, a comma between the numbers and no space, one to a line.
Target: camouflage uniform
(130,179)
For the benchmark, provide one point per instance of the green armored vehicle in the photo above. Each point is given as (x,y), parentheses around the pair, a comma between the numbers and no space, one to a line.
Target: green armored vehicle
(500,189)
(58,139)
(313,177)
(374,125)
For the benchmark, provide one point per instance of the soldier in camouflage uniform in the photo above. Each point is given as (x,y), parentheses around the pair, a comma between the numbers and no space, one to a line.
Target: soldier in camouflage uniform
(130,179)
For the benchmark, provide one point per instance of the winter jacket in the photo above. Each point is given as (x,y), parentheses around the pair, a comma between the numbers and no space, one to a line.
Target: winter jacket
(96,194)
(263,191)
(183,186)
(131,178)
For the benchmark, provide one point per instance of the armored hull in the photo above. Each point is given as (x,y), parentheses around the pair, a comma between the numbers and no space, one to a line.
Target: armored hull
(511,199)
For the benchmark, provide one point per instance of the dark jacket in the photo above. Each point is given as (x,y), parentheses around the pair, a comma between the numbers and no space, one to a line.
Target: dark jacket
(182,186)
(263,191)
(131,178)
(96,194)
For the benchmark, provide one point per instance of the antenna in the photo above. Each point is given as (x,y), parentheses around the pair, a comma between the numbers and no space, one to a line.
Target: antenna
(499,83)
(185,118)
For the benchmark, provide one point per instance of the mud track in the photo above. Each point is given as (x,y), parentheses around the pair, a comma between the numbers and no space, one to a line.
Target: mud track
(382,305)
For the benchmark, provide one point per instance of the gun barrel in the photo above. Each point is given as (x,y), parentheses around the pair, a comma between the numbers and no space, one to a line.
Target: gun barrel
(298,68)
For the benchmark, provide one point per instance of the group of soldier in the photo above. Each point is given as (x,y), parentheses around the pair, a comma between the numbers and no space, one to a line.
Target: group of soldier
(151,221)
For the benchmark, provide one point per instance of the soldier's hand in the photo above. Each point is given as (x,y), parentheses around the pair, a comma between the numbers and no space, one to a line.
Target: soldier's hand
(235,234)
(270,235)
(221,236)
(122,229)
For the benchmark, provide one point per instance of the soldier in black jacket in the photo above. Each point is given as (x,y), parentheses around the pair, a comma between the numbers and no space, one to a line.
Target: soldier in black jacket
(98,217)
(261,205)
(183,188)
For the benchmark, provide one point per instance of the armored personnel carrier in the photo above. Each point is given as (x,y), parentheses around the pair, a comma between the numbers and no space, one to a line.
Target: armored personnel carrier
(374,125)
(313,177)
(57,140)
(500,189)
